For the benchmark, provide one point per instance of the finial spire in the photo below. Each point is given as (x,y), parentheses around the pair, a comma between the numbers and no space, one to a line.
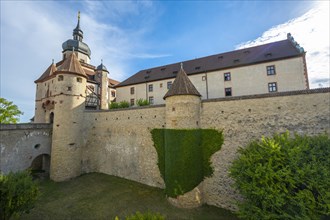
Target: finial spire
(102,61)
(181,65)
(72,49)
(78,15)
(52,61)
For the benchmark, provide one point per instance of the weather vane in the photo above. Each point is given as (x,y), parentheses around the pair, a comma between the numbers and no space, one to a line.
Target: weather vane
(78,15)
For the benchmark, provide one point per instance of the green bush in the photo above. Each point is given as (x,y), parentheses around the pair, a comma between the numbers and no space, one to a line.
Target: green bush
(145,216)
(142,102)
(114,105)
(123,104)
(284,177)
(184,157)
(18,194)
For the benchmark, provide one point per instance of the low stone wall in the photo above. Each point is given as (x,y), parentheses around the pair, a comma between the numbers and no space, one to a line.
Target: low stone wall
(20,144)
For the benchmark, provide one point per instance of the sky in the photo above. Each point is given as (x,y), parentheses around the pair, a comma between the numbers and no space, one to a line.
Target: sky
(133,35)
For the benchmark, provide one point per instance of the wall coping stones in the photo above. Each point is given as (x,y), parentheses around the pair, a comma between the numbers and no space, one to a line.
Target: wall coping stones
(24,126)
(270,95)
(126,109)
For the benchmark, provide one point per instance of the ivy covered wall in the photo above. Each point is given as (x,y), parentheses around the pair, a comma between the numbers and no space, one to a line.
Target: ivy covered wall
(184,156)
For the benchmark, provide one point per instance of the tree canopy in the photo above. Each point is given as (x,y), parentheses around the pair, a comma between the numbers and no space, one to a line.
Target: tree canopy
(9,112)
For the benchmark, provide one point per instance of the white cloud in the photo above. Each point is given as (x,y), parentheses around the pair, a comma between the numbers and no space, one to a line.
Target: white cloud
(311,31)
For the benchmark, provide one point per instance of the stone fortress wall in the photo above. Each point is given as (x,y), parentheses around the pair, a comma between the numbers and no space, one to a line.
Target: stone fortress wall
(21,144)
(118,142)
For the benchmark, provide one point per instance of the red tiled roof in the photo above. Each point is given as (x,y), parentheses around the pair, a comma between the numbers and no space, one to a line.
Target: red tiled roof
(48,73)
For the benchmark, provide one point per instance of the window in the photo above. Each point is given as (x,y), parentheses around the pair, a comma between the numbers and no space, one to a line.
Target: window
(151,87)
(60,78)
(203,78)
(151,100)
(169,84)
(227,91)
(271,70)
(132,102)
(227,76)
(69,88)
(160,85)
(79,79)
(272,87)
(113,94)
(132,90)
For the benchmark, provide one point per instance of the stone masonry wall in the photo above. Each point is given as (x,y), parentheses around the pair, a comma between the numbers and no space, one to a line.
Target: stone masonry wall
(243,120)
(20,144)
(119,143)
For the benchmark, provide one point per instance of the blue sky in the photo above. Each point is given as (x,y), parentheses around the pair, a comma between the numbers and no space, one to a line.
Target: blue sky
(134,35)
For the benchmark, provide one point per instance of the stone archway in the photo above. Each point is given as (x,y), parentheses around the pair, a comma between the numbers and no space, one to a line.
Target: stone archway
(40,165)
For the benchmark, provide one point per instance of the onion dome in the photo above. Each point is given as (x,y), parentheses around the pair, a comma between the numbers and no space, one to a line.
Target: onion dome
(76,43)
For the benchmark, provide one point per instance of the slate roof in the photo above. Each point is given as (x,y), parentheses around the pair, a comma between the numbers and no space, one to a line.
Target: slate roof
(182,86)
(258,54)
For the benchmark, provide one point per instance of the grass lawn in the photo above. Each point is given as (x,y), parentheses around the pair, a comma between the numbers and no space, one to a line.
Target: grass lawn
(100,196)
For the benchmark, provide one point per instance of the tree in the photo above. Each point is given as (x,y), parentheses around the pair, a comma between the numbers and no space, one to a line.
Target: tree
(9,113)
(18,193)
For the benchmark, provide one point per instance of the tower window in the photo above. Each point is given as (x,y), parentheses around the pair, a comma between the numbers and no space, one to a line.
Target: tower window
(132,90)
(271,70)
(160,85)
(60,78)
(69,88)
(227,76)
(228,92)
(113,93)
(272,87)
(132,102)
(79,79)
(151,87)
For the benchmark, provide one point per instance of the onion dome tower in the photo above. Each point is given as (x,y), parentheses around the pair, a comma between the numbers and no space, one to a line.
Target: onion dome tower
(77,45)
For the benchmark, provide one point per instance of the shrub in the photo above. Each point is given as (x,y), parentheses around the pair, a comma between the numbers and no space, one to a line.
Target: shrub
(114,105)
(184,157)
(145,216)
(123,104)
(18,194)
(284,178)
(142,102)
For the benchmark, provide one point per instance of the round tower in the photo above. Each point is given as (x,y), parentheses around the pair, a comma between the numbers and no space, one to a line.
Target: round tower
(70,95)
(183,103)
(102,78)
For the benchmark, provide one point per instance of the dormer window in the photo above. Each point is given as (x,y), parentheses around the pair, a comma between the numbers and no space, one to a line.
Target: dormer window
(197,68)
(236,61)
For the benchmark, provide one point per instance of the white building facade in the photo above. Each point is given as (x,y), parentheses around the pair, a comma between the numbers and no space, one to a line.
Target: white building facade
(274,67)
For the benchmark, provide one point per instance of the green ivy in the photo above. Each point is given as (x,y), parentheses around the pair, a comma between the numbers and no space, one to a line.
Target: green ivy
(184,156)
(284,177)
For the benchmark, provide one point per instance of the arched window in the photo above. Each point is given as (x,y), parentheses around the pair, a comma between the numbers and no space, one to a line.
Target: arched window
(51,117)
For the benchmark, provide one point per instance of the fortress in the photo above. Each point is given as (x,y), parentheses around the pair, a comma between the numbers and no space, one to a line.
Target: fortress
(70,137)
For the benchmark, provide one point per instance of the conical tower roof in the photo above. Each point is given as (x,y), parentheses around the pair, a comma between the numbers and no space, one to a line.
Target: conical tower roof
(72,65)
(49,71)
(182,86)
